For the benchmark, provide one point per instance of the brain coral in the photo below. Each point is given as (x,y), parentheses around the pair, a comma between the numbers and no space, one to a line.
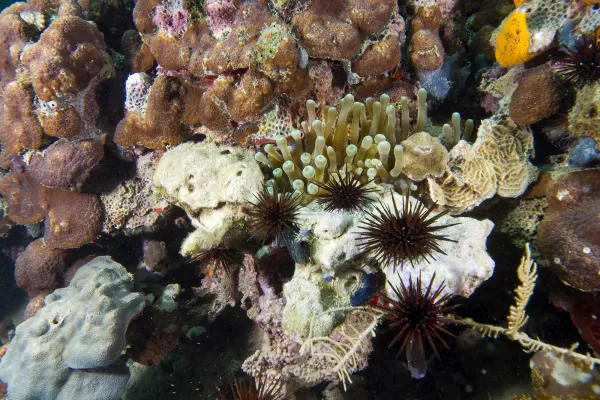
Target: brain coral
(69,349)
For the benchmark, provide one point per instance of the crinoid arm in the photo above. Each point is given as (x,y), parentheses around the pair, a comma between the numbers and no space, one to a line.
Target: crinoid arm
(345,350)
(517,317)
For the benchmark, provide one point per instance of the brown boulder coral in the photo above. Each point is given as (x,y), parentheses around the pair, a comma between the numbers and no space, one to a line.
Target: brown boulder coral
(335,29)
(73,219)
(15,32)
(66,164)
(20,130)
(40,269)
(138,57)
(69,54)
(569,234)
(426,48)
(154,113)
(536,98)
(23,196)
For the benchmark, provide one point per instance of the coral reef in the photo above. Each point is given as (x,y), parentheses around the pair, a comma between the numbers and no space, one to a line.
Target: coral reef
(299,162)
(134,207)
(181,176)
(63,227)
(583,117)
(75,158)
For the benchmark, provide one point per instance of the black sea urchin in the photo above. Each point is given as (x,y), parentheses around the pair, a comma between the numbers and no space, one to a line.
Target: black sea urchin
(345,193)
(395,236)
(416,315)
(272,212)
(217,257)
(581,64)
(255,389)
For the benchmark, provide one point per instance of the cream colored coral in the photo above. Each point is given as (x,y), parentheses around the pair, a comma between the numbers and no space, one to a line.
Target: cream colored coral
(584,117)
(469,181)
(508,151)
(498,162)
(424,156)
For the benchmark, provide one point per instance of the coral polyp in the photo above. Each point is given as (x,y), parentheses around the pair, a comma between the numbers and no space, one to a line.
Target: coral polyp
(272,212)
(416,315)
(394,236)
(581,64)
(345,191)
(255,389)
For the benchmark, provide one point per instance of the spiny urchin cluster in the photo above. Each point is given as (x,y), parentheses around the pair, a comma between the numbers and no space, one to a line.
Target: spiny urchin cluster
(394,236)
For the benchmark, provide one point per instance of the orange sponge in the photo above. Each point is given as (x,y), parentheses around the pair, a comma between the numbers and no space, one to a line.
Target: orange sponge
(512,43)
(518,2)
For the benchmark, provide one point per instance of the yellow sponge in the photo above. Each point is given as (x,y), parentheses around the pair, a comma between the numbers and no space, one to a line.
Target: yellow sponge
(512,43)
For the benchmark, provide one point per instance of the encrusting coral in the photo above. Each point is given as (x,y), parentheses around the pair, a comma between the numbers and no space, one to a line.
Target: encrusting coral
(568,234)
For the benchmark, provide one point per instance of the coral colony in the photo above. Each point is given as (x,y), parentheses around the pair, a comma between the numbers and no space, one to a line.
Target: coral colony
(278,199)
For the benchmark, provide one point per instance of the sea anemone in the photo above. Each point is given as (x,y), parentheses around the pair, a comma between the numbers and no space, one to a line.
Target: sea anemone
(416,315)
(581,64)
(395,236)
(255,389)
(345,193)
(272,212)
(217,257)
